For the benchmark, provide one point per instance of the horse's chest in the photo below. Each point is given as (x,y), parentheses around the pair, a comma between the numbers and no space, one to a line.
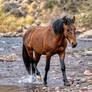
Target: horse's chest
(60,47)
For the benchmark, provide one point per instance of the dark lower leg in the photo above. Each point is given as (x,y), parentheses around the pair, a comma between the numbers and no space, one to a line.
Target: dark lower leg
(64,73)
(33,69)
(36,70)
(46,71)
(27,65)
(36,60)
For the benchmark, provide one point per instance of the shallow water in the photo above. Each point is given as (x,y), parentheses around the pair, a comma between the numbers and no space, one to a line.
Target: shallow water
(14,78)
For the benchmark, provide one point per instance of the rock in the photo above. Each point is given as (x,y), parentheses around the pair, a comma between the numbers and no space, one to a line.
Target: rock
(89,90)
(89,82)
(27,1)
(1,34)
(84,85)
(90,87)
(19,12)
(7,34)
(90,77)
(44,88)
(89,53)
(13,34)
(77,79)
(19,34)
(57,89)
(57,78)
(15,8)
(26,26)
(87,73)
(83,80)
(53,71)
(19,29)
(10,6)
(86,34)
(83,88)
(77,85)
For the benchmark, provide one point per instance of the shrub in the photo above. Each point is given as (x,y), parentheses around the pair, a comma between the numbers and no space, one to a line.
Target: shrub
(29,19)
(52,3)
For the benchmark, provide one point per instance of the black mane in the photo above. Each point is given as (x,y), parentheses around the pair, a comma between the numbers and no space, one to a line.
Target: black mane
(58,24)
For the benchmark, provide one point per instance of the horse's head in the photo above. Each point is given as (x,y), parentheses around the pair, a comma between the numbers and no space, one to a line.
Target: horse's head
(69,31)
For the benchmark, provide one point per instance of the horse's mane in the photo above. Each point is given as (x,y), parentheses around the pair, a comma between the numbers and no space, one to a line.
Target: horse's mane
(58,24)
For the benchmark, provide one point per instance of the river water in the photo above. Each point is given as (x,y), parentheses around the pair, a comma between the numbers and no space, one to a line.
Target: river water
(77,61)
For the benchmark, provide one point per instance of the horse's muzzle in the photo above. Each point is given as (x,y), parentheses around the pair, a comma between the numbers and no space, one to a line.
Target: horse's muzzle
(74,45)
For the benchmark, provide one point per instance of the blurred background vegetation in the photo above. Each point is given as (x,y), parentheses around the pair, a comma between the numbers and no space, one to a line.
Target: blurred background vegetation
(16,13)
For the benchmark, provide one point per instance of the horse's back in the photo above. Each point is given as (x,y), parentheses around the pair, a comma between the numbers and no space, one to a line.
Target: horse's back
(35,37)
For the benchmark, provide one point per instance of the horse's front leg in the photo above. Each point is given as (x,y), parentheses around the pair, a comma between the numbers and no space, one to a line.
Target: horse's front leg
(62,56)
(47,67)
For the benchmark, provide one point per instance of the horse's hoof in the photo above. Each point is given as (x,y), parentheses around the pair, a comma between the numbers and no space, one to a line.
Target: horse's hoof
(45,83)
(39,78)
(67,84)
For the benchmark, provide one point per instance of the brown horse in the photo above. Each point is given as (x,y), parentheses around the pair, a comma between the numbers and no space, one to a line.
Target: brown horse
(48,40)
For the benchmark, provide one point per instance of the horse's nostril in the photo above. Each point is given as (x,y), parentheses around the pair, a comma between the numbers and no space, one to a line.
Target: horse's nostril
(74,45)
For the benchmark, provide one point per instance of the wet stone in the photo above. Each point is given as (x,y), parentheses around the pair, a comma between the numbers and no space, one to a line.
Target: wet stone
(87,73)
(77,85)
(84,85)
(44,88)
(90,77)
(90,87)
(89,82)
(77,79)
(57,89)
(83,88)
(89,90)
(83,80)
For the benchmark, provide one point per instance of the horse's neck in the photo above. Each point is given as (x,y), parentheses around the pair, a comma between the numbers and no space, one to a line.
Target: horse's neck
(60,37)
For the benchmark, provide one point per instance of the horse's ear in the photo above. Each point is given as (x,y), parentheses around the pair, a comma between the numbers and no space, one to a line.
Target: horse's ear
(73,20)
(65,20)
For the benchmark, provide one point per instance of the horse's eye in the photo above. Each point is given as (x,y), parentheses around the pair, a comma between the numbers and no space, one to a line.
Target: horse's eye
(68,30)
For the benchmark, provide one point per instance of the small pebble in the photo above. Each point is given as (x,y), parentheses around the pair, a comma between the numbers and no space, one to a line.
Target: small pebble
(83,80)
(89,82)
(90,87)
(87,73)
(83,88)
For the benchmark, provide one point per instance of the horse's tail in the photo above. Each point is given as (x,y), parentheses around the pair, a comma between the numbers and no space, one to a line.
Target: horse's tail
(26,59)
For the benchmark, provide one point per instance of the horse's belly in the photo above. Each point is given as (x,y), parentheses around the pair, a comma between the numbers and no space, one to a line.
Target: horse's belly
(37,44)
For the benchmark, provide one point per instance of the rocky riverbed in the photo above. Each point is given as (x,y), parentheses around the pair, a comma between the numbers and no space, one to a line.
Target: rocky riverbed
(78,67)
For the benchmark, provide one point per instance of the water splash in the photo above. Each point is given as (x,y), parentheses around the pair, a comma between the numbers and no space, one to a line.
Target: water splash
(33,79)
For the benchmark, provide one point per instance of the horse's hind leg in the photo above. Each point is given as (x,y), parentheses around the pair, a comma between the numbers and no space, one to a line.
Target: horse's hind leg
(36,60)
(30,54)
(26,59)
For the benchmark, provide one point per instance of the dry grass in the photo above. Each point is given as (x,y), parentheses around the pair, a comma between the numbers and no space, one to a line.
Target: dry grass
(48,11)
